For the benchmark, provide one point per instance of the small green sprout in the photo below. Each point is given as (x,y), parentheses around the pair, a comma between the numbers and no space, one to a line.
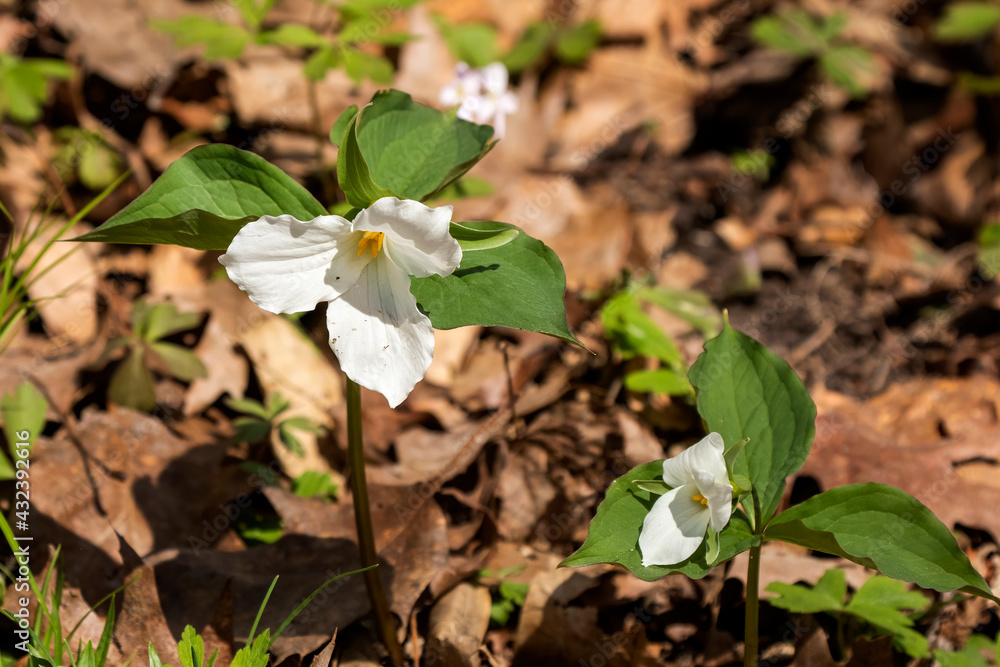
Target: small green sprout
(360,22)
(508,597)
(878,604)
(259,420)
(797,32)
(132,383)
(634,334)
(24,85)
(967,21)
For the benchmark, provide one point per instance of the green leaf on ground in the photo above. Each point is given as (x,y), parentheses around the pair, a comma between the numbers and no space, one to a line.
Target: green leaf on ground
(827,595)
(792,30)
(966,21)
(361,66)
(472,43)
(989,249)
(850,67)
(131,384)
(292,34)
(879,602)
(24,85)
(977,653)
(574,45)
(23,410)
(223,41)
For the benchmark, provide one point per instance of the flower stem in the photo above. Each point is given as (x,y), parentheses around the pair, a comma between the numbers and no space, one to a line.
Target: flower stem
(750,639)
(363,521)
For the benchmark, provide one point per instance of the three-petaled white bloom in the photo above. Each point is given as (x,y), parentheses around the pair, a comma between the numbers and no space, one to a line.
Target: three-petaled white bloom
(482,95)
(701,495)
(362,268)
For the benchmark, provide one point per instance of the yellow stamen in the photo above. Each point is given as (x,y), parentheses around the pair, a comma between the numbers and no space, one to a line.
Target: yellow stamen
(698,498)
(371,240)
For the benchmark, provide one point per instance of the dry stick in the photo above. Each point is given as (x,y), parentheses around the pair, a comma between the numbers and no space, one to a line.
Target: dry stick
(363,521)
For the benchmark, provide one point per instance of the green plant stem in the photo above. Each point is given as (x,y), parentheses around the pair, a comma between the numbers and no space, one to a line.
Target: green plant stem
(363,521)
(750,639)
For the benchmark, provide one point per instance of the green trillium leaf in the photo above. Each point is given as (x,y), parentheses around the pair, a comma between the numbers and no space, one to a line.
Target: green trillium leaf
(883,528)
(746,391)
(519,284)
(204,198)
(414,151)
(482,239)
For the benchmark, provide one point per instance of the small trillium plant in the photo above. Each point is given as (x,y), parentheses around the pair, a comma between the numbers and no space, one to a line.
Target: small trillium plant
(390,270)
(720,497)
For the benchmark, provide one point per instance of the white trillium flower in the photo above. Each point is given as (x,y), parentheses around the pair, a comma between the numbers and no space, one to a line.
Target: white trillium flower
(482,95)
(362,268)
(701,496)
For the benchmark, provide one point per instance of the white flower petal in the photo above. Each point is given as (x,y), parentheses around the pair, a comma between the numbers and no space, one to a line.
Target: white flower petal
(382,341)
(706,454)
(417,238)
(508,103)
(495,78)
(719,497)
(674,527)
(451,94)
(499,125)
(477,109)
(288,266)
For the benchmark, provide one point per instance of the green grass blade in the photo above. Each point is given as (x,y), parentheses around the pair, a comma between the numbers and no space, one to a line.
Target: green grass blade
(105,643)
(260,612)
(309,599)
(102,601)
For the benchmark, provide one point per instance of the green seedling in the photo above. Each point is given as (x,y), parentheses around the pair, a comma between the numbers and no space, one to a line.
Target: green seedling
(477,45)
(360,22)
(508,597)
(967,21)
(756,163)
(23,413)
(259,420)
(634,334)
(24,85)
(989,249)
(132,383)
(314,484)
(979,651)
(797,32)
(878,605)
(84,156)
